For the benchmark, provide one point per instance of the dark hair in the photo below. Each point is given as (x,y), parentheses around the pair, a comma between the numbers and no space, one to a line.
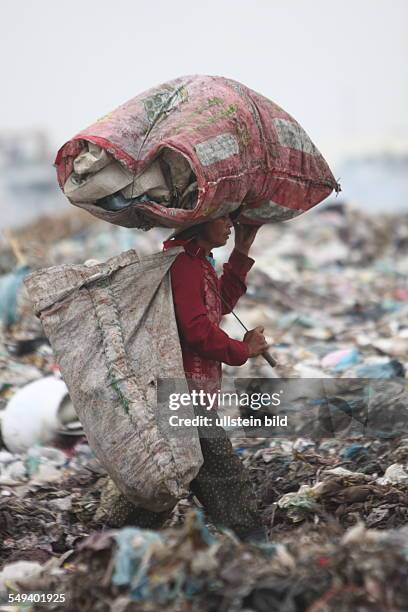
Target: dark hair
(191,232)
(235,213)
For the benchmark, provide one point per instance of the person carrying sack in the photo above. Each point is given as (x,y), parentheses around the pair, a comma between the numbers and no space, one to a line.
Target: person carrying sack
(201,299)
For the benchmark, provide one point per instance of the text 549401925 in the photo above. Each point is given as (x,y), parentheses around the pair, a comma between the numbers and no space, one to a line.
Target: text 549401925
(22,598)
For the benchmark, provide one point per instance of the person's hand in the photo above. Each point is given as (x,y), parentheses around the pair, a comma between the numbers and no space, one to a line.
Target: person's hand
(244,236)
(256,342)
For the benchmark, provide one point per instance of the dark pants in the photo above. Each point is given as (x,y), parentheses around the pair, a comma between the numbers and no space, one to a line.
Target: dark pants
(222,486)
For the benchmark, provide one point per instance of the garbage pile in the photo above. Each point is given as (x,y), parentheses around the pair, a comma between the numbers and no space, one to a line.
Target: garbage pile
(332,293)
(344,481)
(190,568)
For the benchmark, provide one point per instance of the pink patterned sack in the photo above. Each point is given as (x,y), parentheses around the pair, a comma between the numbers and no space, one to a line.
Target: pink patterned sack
(240,148)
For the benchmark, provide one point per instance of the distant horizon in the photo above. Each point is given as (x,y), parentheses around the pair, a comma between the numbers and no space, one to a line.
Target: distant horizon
(397,149)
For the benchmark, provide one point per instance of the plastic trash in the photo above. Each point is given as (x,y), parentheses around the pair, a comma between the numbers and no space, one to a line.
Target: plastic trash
(10,284)
(92,160)
(352,451)
(135,547)
(13,572)
(31,415)
(182,565)
(37,455)
(388,369)
(394,474)
(13,473)
(302,502)
(111,178)
(340,360)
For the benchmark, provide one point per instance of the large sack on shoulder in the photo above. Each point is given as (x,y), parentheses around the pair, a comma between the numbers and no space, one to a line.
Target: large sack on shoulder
(181,151)
(113,331)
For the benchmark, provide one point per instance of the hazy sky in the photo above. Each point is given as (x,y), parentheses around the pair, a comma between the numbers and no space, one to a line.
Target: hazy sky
(340,68)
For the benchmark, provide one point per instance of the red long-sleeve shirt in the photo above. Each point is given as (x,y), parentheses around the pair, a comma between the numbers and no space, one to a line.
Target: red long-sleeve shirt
(198,307)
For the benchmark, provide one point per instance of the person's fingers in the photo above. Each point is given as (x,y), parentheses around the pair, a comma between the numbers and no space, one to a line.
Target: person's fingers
(260,337)
(260,351)
(261,348)
(259,329)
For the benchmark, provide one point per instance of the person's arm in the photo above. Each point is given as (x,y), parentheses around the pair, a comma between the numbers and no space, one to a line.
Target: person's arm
(196,329)
(232,281)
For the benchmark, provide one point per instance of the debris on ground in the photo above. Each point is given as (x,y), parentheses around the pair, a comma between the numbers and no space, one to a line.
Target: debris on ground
(336,507)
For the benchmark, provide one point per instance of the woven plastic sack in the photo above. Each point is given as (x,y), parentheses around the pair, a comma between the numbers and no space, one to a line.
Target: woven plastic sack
(113,331)
(241,147)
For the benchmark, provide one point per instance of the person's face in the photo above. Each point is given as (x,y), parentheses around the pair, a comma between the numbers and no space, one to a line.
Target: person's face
(217,232)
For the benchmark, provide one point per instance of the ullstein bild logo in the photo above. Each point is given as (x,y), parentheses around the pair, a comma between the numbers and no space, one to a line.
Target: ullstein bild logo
(209,401)
(228,421)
